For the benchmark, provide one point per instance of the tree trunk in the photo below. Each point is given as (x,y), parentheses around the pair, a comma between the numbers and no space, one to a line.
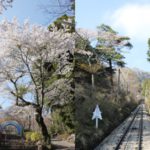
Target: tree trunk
(111,72)
(93,82)
(42,125)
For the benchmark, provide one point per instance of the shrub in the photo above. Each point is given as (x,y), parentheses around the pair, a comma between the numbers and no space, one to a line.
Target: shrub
(33,136)
(62,120)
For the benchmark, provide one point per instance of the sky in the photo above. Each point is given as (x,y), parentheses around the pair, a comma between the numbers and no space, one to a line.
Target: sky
(129,18)
(28,9)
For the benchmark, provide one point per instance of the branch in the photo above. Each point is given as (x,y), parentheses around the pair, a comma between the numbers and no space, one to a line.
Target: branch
(26,103)
(30,73)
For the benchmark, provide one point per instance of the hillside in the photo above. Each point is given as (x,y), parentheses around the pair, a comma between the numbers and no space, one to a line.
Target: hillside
(142,75)
(115,105)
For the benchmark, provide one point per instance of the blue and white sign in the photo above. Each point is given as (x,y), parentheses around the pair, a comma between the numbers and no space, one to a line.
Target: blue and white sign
(97,114)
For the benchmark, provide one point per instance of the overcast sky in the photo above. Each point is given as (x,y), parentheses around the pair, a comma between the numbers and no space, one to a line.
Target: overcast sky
(129,18)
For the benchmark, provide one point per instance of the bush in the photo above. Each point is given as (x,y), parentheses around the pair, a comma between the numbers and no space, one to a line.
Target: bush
(57,125)
(33,136)
(62,121)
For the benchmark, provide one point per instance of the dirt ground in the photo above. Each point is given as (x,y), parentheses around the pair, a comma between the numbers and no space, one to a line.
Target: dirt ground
(62,145)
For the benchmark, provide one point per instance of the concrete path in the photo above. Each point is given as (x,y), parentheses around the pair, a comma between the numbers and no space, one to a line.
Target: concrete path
(63,145)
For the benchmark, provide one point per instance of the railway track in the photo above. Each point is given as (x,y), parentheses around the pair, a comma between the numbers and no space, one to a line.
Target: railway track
(141,131)
(132,136)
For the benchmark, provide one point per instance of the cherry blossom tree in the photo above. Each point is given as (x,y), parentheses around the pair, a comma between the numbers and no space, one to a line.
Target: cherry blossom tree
(35,66)
(4,4)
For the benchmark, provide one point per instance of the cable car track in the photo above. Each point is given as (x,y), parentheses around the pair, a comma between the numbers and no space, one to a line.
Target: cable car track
(124,141)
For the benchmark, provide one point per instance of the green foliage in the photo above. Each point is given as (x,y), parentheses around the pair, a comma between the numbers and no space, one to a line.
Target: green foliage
(52,80)
(146,93)
(63,120)
(33,136)
(106,28)
(110,44)
(82,43)
(64,22)
(91,69)
(57,124)
(146,87)
(22,90)
(148,52)
(68,117)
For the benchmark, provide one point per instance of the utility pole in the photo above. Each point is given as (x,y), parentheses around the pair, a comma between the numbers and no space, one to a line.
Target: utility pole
(118,88)
(119,72)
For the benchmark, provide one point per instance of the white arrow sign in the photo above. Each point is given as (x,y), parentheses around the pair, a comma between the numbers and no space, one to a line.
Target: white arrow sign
(97,115)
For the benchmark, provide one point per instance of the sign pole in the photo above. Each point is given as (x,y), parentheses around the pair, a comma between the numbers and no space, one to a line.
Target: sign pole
(96,123)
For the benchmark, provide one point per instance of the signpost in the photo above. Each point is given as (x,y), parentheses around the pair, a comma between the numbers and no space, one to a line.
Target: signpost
(97,115)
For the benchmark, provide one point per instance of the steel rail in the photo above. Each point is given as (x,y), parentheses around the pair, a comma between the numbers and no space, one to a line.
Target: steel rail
(127,130)
(141,131)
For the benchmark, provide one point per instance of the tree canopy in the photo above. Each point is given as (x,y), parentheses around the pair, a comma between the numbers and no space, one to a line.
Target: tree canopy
(110,44)
(35,65)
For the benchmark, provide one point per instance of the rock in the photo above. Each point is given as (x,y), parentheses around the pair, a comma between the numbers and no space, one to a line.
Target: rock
(71,138)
